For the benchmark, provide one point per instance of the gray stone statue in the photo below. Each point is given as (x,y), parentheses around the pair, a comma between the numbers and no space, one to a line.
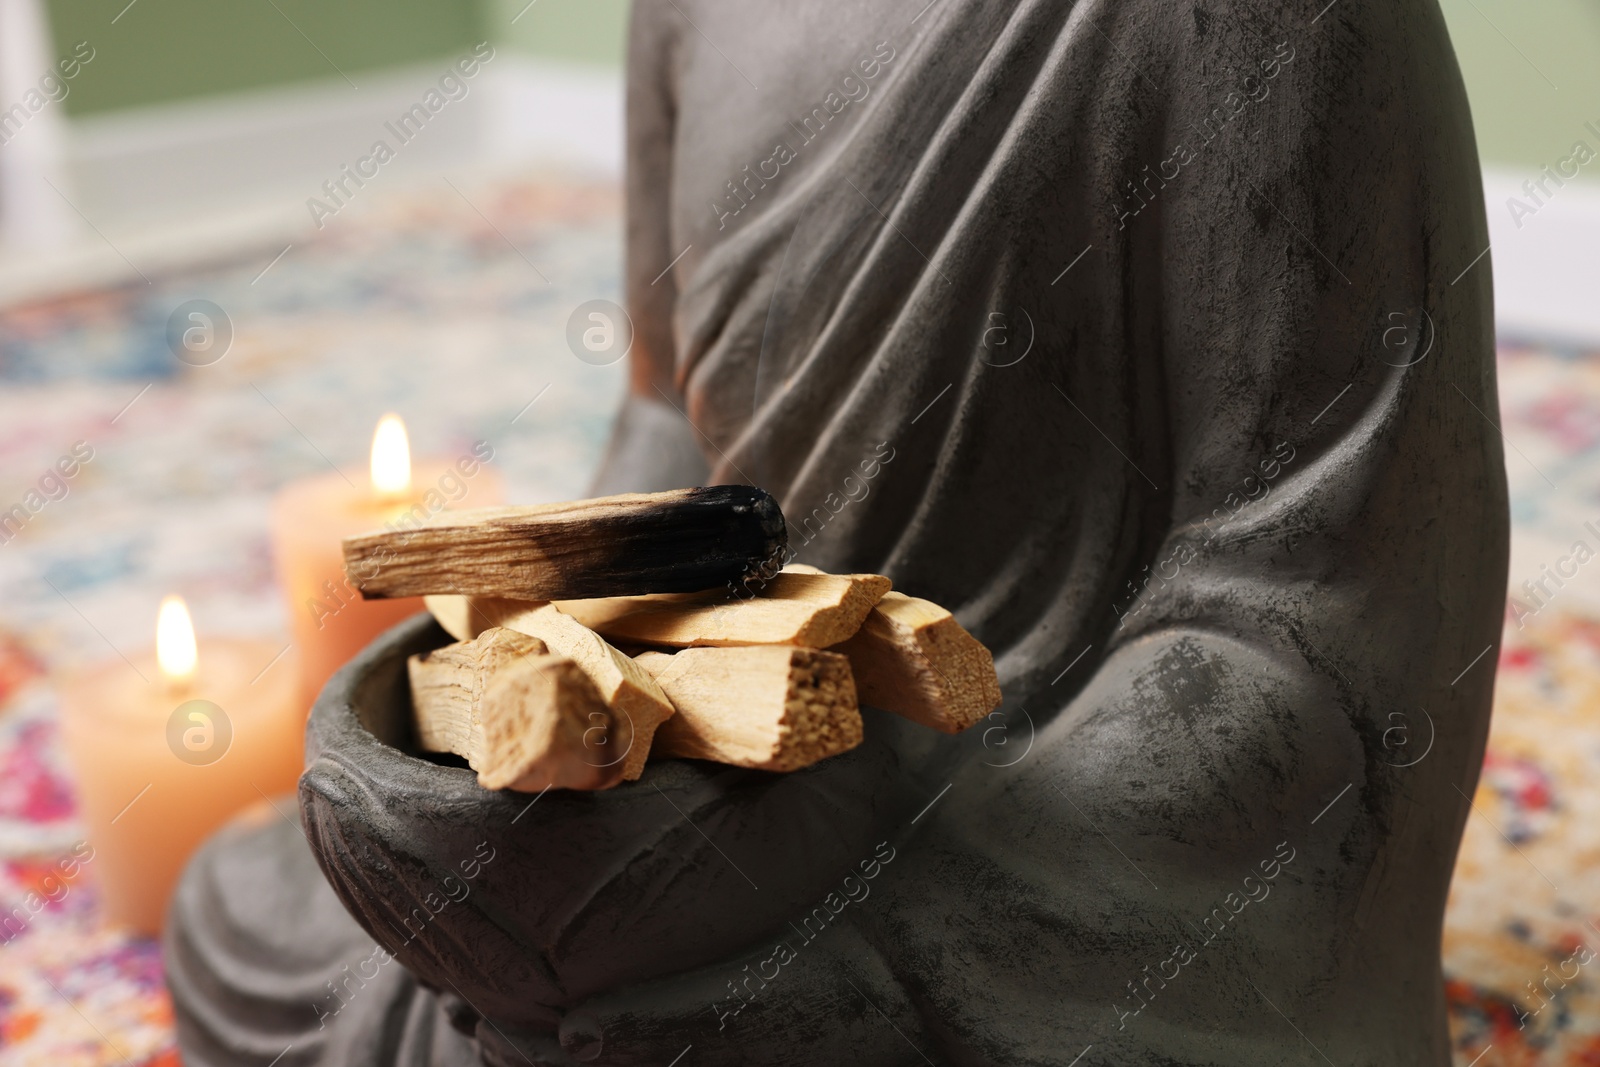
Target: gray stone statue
(1154,341)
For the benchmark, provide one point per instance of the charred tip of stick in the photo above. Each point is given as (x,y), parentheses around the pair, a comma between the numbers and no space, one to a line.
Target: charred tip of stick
(760,572)
(774,529)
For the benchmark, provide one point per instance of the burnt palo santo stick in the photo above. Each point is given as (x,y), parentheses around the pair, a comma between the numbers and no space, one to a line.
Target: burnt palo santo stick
(768,707)
(675,542)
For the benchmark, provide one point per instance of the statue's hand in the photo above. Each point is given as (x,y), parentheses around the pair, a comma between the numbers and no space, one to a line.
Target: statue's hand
(525,904)
(697,862)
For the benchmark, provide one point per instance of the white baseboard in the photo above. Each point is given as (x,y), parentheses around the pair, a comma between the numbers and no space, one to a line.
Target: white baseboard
(178,183)
(562,114)
(32,214)
(1547,270)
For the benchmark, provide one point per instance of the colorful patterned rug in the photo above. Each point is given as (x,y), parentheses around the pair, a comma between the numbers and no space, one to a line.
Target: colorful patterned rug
(1522,934)
(451,308)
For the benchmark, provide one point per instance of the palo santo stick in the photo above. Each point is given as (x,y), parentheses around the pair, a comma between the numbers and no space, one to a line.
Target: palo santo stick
(684,540)
(447,688)
(913,658)
(626,687)
(522,718)
(453,613)
(545,727)
(808,610)
(771,708)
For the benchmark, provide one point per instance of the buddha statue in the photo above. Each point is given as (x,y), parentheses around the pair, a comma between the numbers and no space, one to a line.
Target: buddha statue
(1153,340)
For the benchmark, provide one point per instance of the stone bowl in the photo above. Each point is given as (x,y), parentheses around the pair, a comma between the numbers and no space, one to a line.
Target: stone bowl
(524,904)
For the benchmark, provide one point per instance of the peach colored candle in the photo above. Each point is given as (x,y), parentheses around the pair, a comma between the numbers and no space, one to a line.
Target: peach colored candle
(162,761)
(327,617)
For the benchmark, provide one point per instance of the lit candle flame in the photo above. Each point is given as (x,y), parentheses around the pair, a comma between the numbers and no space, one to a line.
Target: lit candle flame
(391,457)
(175,646)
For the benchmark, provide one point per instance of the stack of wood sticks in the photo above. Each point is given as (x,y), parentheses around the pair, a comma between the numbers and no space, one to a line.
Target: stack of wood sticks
(595,635)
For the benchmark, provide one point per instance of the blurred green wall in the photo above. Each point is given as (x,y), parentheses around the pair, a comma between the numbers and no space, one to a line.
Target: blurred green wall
(1532,76)
(589,31)
(162,50)
(1531,71)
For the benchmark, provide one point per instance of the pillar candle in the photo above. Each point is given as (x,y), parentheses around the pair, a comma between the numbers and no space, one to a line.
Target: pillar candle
(167,749)
(327,617)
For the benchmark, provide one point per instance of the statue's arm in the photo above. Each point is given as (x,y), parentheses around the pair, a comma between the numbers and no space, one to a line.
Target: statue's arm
(1212,844)
(652,445)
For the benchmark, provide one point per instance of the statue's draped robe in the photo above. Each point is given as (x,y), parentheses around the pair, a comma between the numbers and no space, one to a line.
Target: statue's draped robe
(1149,339)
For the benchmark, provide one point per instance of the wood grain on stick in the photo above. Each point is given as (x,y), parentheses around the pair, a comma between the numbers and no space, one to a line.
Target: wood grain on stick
(453,613)
(523,718)
(447,688)
(679,541)
(913,658)
(628,689)
(771,708)
(808,610)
